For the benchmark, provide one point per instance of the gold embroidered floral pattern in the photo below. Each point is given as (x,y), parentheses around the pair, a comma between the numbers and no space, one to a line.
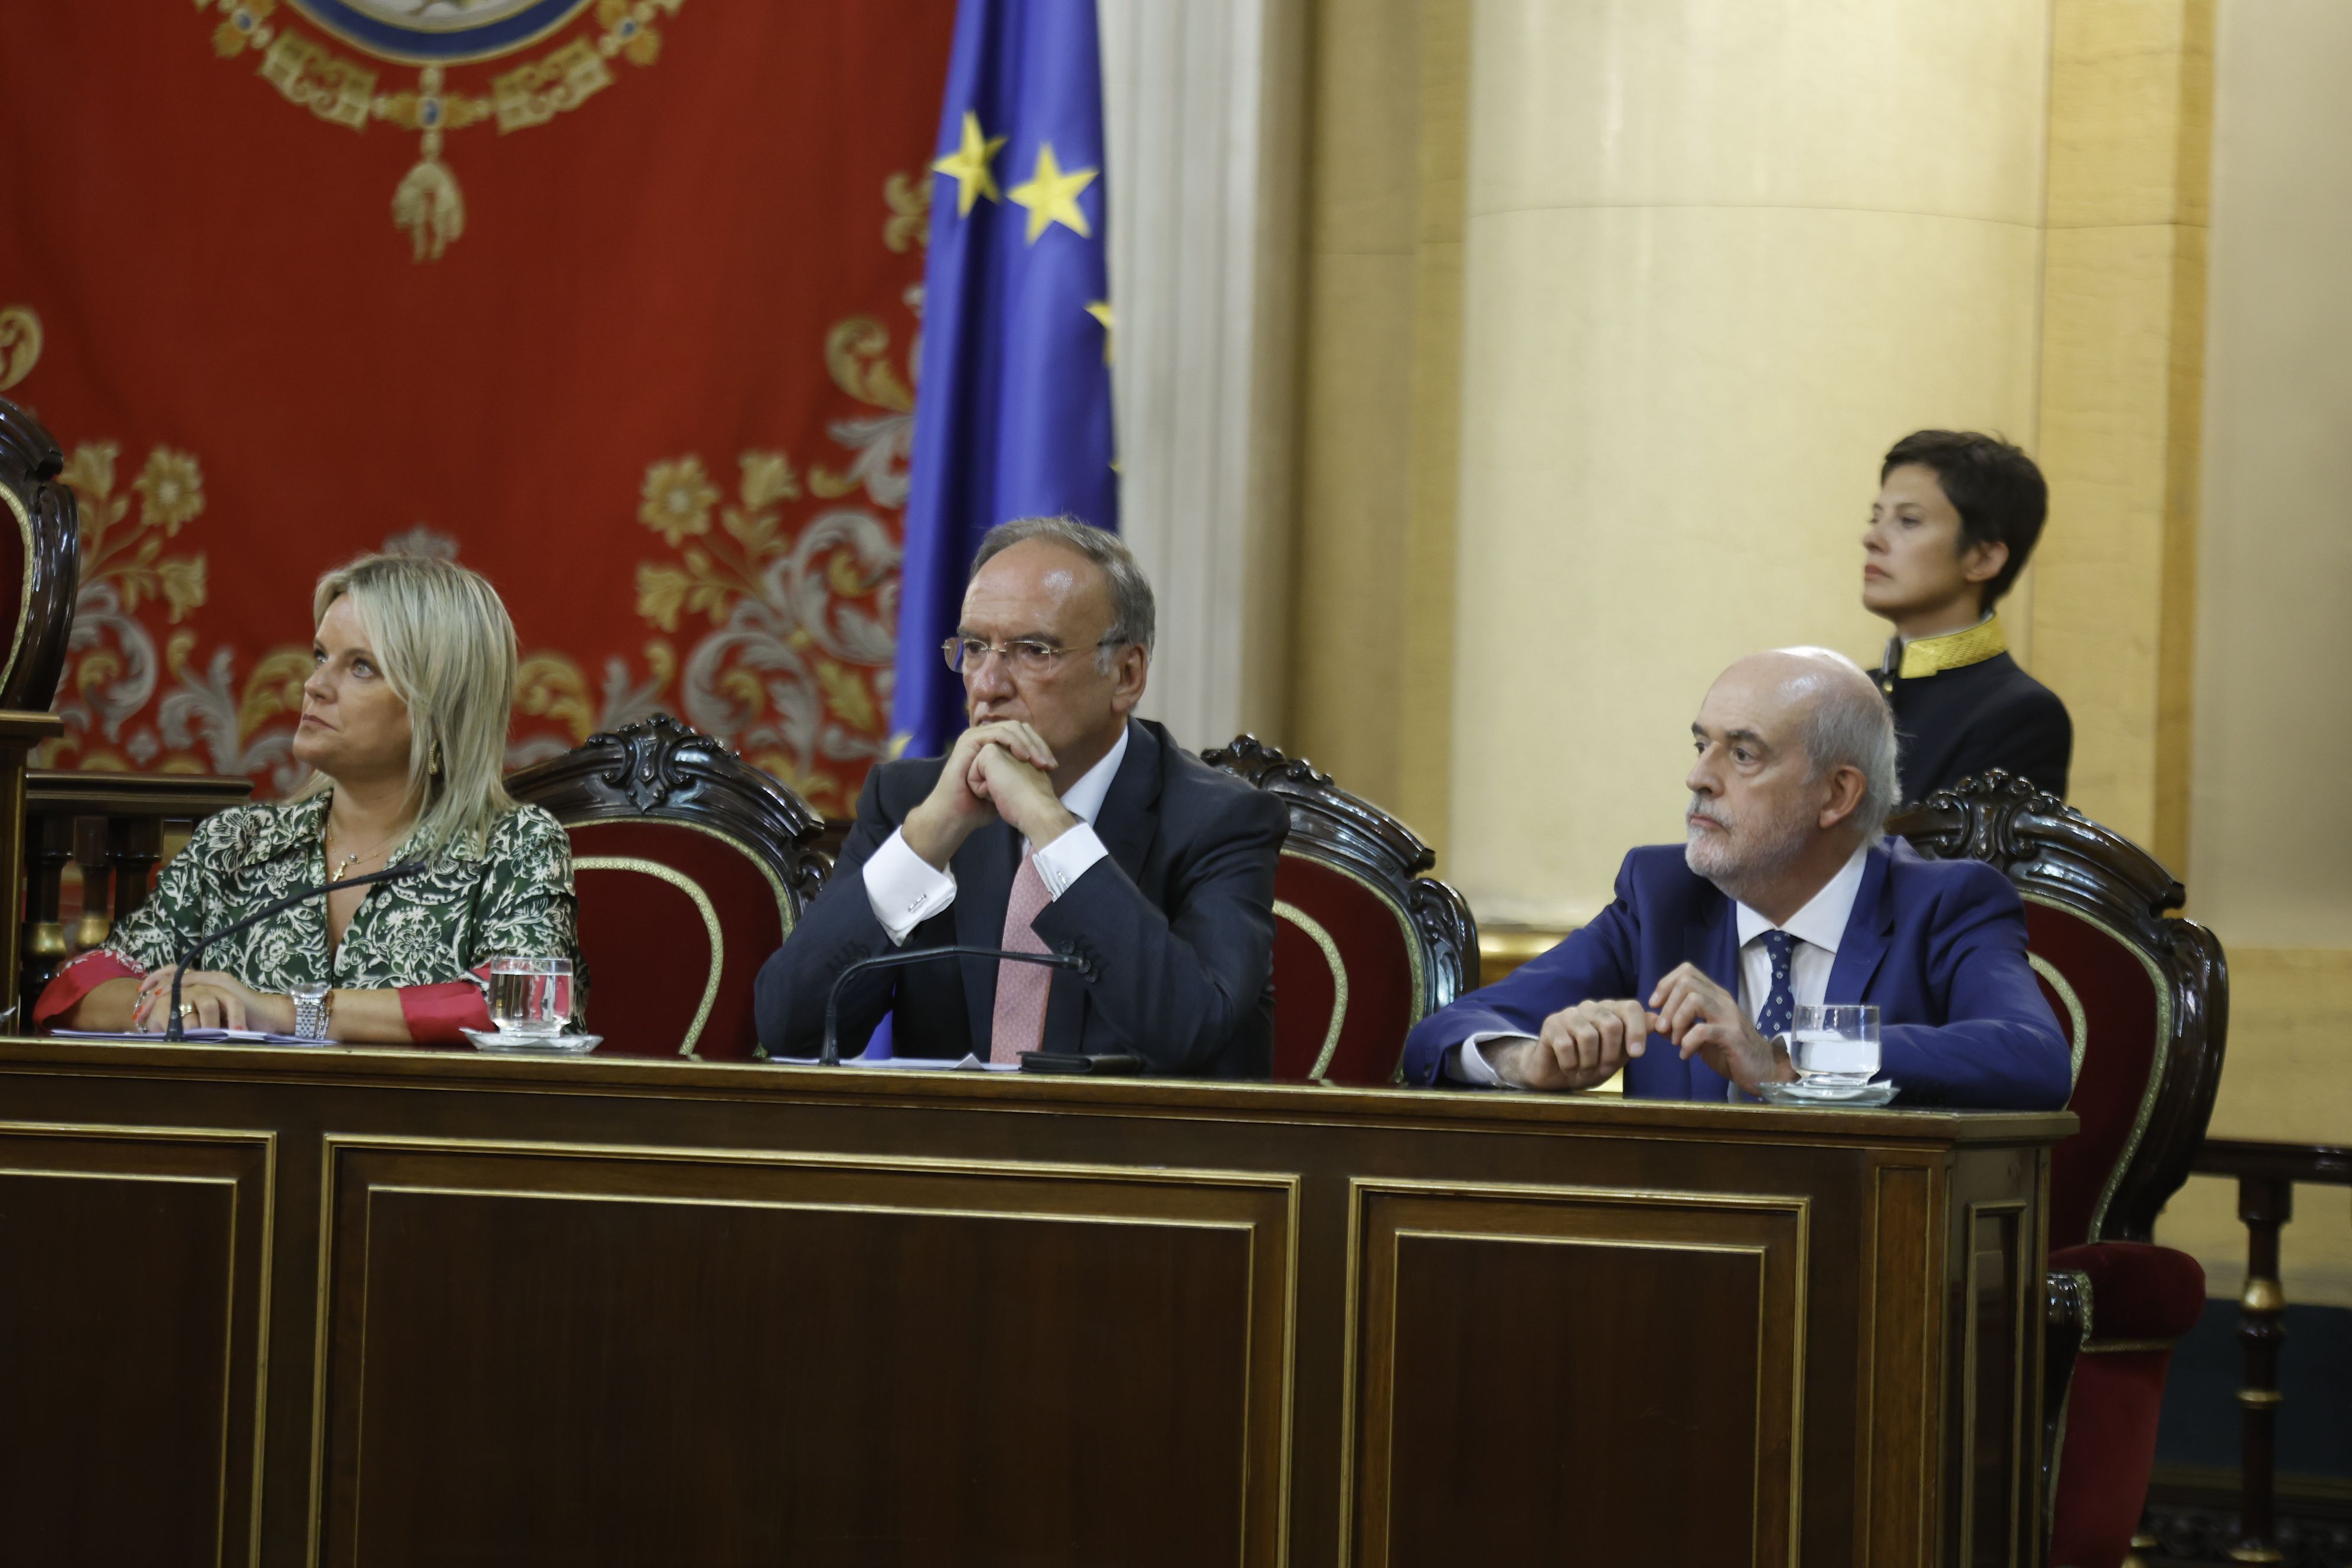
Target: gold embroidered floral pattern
(676,501)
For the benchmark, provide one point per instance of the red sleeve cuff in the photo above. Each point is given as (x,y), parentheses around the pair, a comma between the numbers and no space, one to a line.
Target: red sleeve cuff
(434,1014)
(79,979)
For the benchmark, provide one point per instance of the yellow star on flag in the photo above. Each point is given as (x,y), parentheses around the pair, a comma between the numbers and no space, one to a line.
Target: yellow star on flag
(968,166)
(1100,311)
(1052,197)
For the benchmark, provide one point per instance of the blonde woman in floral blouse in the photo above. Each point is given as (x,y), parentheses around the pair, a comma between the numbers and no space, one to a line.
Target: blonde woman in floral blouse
(404,720)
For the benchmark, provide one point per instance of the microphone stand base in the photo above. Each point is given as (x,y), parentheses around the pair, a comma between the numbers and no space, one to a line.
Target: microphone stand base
(1107,1065)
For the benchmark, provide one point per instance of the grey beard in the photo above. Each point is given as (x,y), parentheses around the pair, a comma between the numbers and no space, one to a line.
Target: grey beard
(1737,880)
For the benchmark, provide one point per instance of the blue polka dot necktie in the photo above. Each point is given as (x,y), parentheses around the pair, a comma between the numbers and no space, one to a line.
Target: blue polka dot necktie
(1780,1009)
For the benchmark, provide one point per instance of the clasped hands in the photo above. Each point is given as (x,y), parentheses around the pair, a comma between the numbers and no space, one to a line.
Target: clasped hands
(1582,1046)
(1001,770)
(208,1000)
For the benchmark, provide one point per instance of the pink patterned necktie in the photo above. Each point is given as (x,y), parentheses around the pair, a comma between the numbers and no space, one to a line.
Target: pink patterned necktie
(1021,988)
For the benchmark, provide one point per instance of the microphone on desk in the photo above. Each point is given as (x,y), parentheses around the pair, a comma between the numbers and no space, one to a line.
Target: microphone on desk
(188,959)
(829,1055)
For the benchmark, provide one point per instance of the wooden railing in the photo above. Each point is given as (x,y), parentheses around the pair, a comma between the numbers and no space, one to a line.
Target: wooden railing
(113,827)
(2267,1174)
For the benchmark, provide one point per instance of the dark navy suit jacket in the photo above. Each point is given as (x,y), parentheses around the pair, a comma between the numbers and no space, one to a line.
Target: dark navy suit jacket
(1958,723)
(1939,945)
(1177,920)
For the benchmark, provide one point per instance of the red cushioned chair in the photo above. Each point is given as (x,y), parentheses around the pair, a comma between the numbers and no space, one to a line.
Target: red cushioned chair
(1364,946)
(40,566)
(691,866)
(2146,999)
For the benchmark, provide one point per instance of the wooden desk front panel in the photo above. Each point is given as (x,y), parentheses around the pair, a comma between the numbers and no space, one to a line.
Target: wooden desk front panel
(134,1288)
(630,1312)
(732,1358)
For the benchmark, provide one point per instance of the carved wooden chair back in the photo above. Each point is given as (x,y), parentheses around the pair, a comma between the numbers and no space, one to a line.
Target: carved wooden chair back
(691,867)
(40,561)
(2144,996)
(1364,945)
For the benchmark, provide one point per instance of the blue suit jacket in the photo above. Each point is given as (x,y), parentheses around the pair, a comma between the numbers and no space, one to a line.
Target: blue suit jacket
(1939,945)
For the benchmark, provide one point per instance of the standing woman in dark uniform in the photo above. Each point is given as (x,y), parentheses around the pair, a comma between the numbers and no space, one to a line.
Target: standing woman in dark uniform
(1954,521)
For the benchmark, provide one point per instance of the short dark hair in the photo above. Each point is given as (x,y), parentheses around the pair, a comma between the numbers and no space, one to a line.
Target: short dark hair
(1999,494)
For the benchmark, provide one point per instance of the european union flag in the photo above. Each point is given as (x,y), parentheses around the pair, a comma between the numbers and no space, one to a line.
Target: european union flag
(1012,413)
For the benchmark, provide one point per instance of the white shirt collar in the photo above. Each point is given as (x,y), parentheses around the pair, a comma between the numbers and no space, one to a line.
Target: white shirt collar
(1085,798)
(1821,922)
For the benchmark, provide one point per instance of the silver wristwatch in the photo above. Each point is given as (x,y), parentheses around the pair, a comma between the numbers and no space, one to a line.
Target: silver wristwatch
(309,1011)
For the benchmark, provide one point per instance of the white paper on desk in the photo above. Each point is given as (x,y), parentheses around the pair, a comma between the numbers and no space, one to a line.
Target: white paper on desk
(912,1064)
(189,1037)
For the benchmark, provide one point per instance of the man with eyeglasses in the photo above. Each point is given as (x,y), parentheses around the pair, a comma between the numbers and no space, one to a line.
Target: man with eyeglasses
(1058,821)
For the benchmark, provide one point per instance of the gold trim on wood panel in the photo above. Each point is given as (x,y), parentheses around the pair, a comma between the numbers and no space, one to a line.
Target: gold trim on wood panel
(1170,1176)
(959,1211)
(1797,1206)
(2018,1296)
(1277,1185)
(251,1139)
(1930,1179)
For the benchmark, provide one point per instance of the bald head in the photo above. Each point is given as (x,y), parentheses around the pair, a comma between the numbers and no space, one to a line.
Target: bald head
(1836,713)
(1795,767)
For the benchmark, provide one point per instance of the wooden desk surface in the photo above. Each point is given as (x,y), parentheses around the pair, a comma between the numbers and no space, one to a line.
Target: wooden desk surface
(288,1305)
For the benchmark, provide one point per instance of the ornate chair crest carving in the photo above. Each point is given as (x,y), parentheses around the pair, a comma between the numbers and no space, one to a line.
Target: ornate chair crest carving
(40,569)
(691,866)
(2146,998)
(1365,945)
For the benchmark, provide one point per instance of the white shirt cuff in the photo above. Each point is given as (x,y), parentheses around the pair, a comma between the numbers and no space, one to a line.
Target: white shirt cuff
(1465,1063)
(905,890)
(1068,859)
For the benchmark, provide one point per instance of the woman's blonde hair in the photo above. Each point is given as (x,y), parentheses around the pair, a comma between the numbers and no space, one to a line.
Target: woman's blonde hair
(445,645)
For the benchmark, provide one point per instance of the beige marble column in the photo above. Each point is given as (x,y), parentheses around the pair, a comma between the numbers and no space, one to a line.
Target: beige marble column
(1373,624)
(1720,255)
(2122,384)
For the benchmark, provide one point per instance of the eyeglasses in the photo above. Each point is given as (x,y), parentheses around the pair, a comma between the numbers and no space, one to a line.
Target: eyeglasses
(1026,655)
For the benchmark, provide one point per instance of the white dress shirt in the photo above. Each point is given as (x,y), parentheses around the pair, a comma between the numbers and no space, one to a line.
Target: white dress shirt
(905,890)
(1819,927)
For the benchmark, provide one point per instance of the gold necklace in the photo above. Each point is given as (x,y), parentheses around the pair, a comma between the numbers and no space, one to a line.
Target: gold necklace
(351,859)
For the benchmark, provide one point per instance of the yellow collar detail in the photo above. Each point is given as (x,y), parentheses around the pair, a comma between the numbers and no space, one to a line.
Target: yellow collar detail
(1953,650)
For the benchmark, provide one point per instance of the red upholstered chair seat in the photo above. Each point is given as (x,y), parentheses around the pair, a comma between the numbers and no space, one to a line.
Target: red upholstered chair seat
(2143,996)
(674,921)
(1347,975)
(2142,1299)
(2102,992)
(691,866)
(1365,947)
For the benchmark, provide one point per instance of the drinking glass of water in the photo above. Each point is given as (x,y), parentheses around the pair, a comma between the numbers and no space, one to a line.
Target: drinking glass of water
(1834,1049)
(532,996)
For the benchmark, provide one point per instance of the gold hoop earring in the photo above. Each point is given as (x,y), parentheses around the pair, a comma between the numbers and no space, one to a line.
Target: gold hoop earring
(436,759)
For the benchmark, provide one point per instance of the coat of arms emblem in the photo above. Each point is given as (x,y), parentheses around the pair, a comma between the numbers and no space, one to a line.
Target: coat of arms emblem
(522,62)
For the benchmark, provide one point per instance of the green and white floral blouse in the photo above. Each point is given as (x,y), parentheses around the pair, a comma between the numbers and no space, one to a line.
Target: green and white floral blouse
(512,894)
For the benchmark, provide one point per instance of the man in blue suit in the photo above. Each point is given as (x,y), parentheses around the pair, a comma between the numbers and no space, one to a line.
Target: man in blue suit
(1785,892)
